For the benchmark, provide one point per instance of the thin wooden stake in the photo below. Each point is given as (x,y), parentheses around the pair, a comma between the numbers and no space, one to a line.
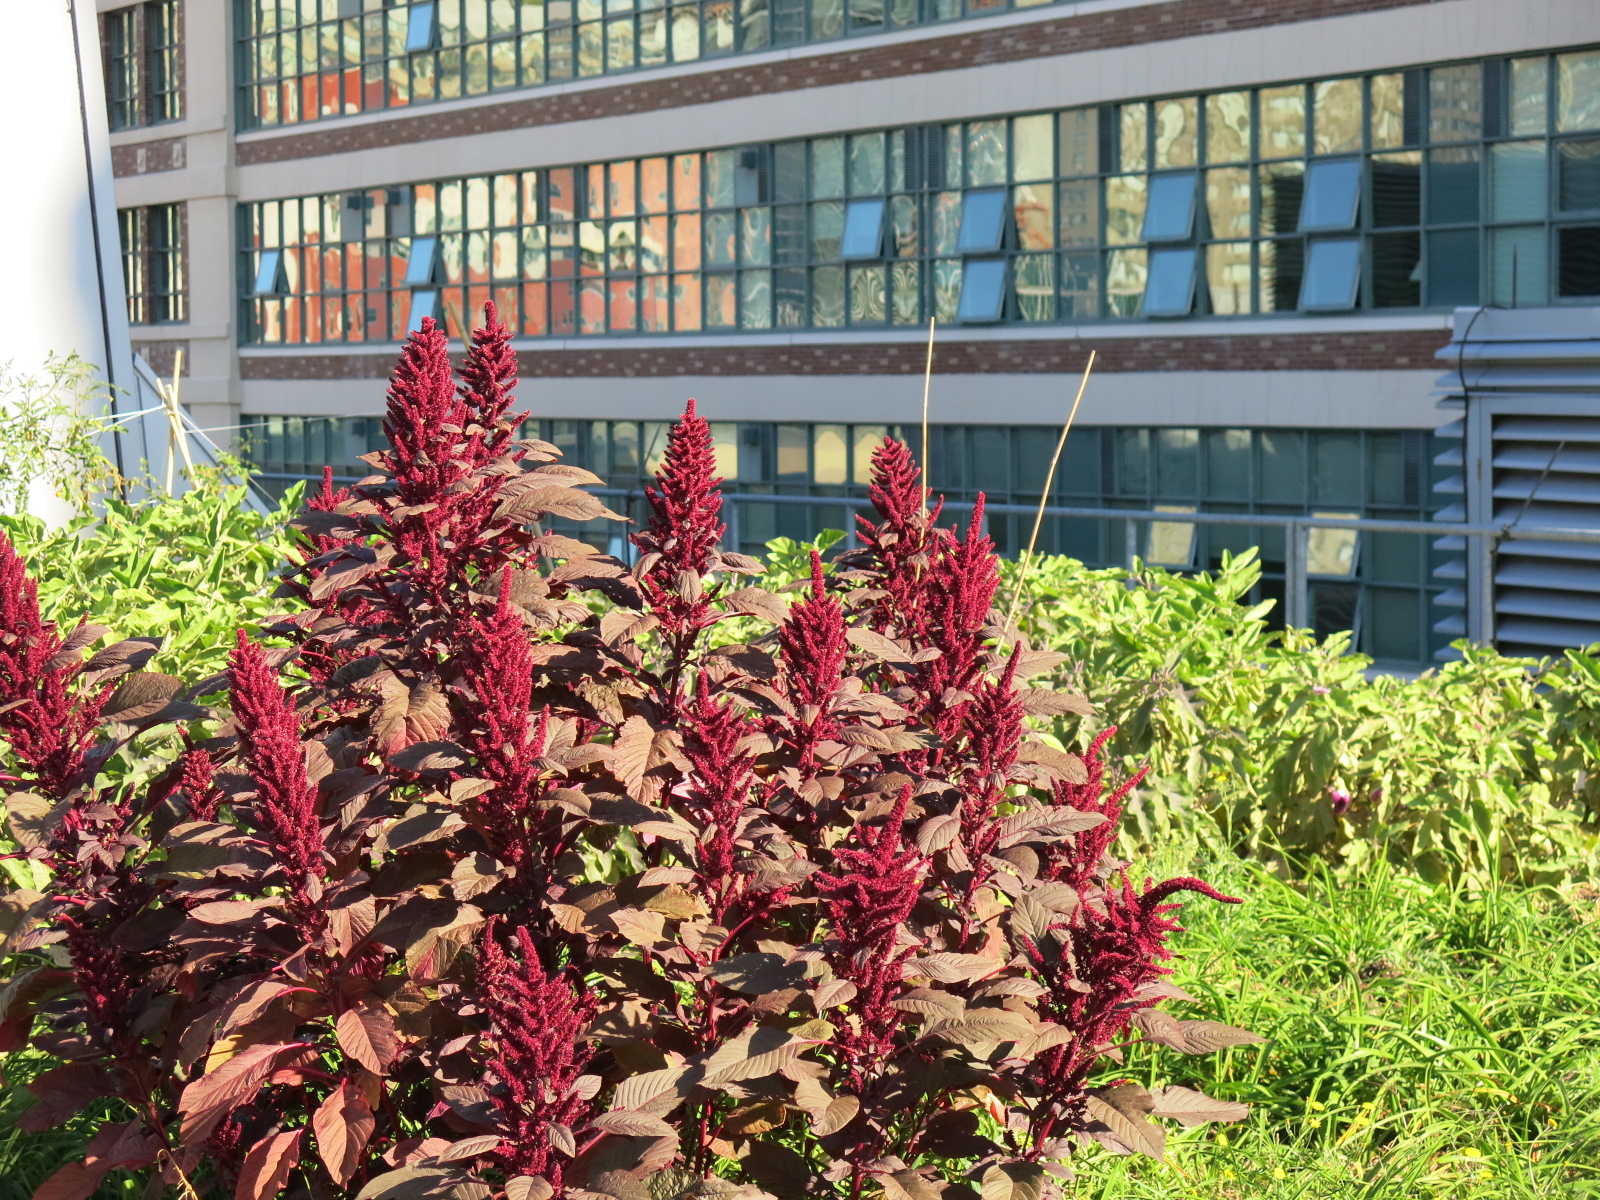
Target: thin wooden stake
(1044,495)
(927,383)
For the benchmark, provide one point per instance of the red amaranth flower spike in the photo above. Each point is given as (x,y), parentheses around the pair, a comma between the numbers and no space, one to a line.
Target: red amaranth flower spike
(286,799)
(717,789)
(200,793)
(686,503)
(49,724)
(813,646)
(536,1052)
(1076,861)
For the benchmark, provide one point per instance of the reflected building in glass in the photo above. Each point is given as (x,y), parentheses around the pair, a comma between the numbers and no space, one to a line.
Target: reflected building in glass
(1260,217)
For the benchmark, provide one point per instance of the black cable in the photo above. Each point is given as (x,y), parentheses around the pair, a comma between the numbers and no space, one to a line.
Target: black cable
(94,222)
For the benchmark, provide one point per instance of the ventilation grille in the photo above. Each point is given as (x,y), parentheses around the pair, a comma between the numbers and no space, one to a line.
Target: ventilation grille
(1525,455)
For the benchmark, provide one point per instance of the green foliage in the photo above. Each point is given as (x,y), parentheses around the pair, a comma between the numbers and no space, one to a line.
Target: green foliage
(192,569)
(46,433)
(1425,1041)
(1254,737)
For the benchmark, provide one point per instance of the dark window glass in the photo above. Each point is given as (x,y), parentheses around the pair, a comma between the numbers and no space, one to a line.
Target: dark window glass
(122,67)
(161,42)
(1336,468)
(1282,469)
(1396,279)
(1396,190)
(129,225)
(166,263)
(1228,464)
(1132,464)
(1453,186)
(1178,463)
(1578,260)
(1578,175)
(1453,267)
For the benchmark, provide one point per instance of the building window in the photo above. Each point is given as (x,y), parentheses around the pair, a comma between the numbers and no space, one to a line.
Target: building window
(1419,189)
(303,60)
(153,263)
(143,64)
(1379,584)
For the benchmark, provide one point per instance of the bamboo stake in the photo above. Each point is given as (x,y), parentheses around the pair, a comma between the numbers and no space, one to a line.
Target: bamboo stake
(177,413)
(927,383)
(1044,495)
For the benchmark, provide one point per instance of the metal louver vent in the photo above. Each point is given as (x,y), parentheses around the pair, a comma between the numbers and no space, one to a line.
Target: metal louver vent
(1526,456)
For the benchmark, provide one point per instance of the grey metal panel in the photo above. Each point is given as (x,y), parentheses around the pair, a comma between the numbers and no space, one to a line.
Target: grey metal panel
(1455,485)
(1534,548)
(1552,488)
(1452,429)
(1451,512)
(1455,457)
(1455,625)
(1556,635)
(1550,516)
(1522,457)
(1454,544)
(1541,573)
(1548,429)
(1561,606)
(1455,568)
(1452,598)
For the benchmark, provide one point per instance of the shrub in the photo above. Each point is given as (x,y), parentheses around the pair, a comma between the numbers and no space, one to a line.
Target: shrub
(473,890)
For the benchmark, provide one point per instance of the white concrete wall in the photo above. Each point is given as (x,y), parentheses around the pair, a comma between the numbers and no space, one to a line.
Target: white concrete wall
(58,222)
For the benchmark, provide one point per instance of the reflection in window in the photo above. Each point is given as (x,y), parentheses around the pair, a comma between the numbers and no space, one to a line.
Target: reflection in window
(1228,278)
(271,278)
(1169,216)
(983,222)
(1518,173)
(1169,289)
(1333,189)
(982,290)
(422,27)
(1578,175)
(1333,271)
(1519,272)
(863,230)
(1578,91)
(1228,127)
(424,305)
(422,264)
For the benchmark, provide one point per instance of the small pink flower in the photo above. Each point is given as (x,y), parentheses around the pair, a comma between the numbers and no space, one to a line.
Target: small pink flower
(1321,691)
(1341,801)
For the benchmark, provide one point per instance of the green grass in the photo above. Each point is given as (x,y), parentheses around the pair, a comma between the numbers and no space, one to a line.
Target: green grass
(1423,1042)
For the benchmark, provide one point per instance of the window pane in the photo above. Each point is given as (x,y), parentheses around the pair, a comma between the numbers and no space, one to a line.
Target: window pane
(1034,282)
(1396,189)
(1283,121)
(983,217)
(1333,269)
(1396,277)
(1228,464)
(1177,458)
(1578,261)
(1336,116)
(863,230)
(421,27)
(1080,213)
(1228,201)
(1333,189)
(1530,95)
(1228,127)
(1387,94)
(1518,174)
(1282,194)
(1455,103)
(830,454)
(986,152)
(1169,291)
(1177,132)
(1125,199)
(1453,267)
(1170,214)
(1578,91)
(1228,277)
(866,164)
(1133,134)
(1125,277)
(982,290)
(1578,175)
(1032,212)
(1032,148)
(1080,286)
(1453,185)
(1079,136)
(1282,466)
(1519,270)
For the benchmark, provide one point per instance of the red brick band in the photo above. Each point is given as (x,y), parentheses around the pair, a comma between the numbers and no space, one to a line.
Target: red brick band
(1370,351)
(148,158)
(833,63)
